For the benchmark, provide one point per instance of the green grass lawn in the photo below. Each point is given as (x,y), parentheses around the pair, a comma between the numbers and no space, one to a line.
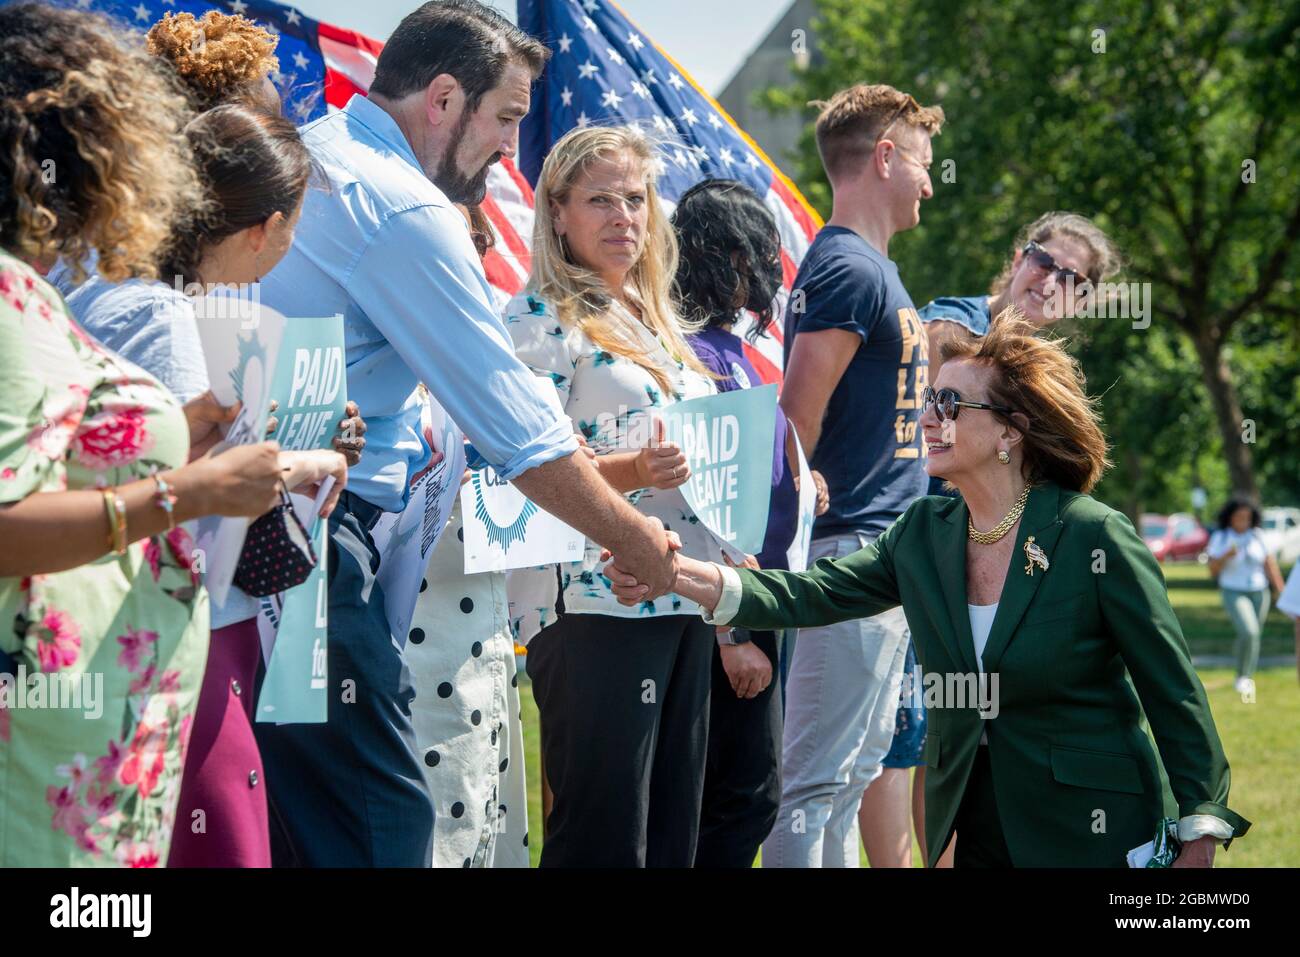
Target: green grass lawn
(1205,624)
(1262,740)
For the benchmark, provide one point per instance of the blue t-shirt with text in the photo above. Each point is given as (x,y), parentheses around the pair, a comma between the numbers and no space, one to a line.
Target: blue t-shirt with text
(870,451)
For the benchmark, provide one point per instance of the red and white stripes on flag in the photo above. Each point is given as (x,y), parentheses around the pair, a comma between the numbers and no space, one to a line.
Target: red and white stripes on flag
(350,59)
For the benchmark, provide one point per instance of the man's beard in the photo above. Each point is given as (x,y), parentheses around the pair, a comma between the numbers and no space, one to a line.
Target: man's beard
(458,187)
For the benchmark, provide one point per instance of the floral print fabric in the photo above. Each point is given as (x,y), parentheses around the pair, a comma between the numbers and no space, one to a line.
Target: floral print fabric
(604,395)
(102,663)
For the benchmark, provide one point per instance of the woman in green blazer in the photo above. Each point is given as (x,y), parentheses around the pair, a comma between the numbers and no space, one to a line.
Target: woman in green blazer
(1058,613)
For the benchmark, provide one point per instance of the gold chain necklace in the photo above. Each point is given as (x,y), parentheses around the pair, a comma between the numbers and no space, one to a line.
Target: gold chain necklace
(1001,528)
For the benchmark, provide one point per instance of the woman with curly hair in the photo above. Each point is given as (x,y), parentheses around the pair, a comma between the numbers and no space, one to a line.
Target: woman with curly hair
(97,576)
(255,168)
(220,57)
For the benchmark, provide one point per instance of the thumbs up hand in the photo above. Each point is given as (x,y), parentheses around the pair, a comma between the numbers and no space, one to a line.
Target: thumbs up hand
(662,464)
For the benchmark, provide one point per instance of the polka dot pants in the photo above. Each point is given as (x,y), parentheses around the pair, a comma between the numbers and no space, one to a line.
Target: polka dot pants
(466,711)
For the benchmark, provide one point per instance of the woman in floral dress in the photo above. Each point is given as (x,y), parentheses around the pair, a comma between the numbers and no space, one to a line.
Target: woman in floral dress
(99,588)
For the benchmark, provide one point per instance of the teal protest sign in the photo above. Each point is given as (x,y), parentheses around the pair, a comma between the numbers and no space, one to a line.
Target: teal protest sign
(310,383)
(294,688)
(310,388)
(728,440)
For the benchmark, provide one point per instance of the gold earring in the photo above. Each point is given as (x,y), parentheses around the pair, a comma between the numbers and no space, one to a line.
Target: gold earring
(1003,457)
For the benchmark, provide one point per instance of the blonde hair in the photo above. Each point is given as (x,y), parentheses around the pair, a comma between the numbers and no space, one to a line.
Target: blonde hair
(77,94)
(1103,254)
(219,58)
(578,295)
(1064,442)
(854,120)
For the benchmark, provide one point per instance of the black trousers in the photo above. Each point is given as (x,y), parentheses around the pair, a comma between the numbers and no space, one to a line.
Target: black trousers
(624,710)
(980,842)
(742,778)
(351,792)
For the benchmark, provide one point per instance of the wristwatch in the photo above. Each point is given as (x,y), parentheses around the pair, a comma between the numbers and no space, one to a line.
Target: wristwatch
(734,636)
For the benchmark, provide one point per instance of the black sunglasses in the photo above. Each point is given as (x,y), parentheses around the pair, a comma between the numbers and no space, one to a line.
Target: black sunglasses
(1042,260)
(948,402)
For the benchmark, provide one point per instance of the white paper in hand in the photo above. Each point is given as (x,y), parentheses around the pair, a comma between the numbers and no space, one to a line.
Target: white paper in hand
(1139,856)
(239,349)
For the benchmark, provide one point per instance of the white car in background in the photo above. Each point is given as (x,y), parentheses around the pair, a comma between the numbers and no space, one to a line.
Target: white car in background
(1280,528)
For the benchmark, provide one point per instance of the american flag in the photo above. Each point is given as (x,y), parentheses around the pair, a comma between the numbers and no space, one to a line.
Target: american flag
(603,70)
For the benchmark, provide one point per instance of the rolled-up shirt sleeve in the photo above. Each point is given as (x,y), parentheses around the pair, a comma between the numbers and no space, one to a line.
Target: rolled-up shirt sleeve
(419,282)
(1195,826)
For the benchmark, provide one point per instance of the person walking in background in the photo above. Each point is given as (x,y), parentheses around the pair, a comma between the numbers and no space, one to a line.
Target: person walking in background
(623,693)
(1245,571)
(730,259)
(855,373)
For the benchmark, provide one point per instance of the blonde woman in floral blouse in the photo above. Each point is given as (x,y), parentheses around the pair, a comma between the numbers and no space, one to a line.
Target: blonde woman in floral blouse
(623,693)
(97,592)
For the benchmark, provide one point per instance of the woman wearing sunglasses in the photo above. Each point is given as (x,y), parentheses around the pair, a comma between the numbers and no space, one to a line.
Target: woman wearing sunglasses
(1057,259)
(1038,595)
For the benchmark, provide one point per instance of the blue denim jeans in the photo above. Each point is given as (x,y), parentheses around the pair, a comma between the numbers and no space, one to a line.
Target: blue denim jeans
(351,792)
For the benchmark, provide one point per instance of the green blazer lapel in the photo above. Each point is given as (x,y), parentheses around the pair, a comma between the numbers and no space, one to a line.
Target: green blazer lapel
(1041,521)
(948,538)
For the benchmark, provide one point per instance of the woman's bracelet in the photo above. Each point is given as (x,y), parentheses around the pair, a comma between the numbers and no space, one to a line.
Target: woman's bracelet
(165,499)
(116,511)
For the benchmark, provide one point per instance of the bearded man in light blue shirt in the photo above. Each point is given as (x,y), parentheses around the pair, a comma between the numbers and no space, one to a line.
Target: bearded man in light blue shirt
(382,244)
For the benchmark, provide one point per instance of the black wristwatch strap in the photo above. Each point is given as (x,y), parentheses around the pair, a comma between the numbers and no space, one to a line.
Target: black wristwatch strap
(737,636)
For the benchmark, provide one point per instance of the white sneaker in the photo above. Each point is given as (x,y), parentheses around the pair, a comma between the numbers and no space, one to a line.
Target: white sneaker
(1246,688)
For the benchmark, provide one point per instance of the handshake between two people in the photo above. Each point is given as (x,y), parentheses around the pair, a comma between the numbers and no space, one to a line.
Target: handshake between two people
(700,582)
(636,578)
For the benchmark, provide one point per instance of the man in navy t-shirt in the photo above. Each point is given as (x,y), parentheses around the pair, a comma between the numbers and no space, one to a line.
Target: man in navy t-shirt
(869,448)
(856,366)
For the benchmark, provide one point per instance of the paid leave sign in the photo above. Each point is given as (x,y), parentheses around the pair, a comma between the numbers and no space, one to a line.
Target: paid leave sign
(505,530)
(728,440)
(405,539)
(310,383)
(310,386)
(293,691)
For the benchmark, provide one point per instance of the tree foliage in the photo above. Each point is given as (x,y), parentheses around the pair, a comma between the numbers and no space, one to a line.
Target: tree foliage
(1176,126)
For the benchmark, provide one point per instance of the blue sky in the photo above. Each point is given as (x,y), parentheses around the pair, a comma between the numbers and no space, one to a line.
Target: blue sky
(710,38)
